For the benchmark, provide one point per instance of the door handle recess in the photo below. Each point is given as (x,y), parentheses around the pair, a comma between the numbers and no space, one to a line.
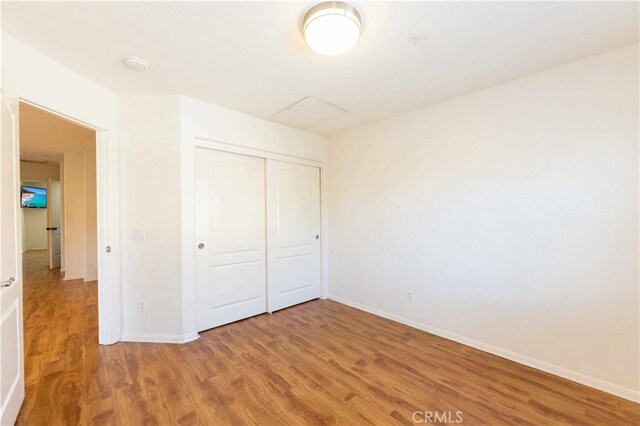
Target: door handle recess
(7,283)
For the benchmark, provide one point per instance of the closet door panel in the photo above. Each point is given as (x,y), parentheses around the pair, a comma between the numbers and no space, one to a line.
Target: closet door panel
(293,232)
(230,232)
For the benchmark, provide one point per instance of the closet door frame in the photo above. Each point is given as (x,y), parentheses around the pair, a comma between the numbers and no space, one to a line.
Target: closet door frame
(189,243)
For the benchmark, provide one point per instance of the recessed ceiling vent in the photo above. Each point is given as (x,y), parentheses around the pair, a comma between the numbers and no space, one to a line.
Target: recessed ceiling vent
(307,112)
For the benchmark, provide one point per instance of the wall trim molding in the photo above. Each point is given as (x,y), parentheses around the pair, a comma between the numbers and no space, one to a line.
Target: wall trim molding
(160,338)
(583,379)
(72,277)
(204,142)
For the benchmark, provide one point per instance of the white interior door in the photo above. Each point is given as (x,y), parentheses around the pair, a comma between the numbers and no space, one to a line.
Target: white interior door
(293,233)
(230,233)
(53,224)
(11,352)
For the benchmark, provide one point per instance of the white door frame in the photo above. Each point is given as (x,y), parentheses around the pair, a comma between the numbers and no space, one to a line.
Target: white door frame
(109,304)
(188,216)
(49,215)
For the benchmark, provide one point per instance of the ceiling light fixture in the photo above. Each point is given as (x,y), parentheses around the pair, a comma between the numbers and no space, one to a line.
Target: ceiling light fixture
(135,64)
(332,28)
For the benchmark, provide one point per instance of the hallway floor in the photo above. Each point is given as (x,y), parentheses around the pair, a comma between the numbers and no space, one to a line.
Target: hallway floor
(317,363)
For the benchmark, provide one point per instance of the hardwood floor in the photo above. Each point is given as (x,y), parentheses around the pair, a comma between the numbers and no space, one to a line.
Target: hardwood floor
(316,363)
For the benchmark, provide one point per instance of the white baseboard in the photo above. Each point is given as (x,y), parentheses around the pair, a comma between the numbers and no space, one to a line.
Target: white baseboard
(72,277)
(583,379)
(78,277)
(160,338)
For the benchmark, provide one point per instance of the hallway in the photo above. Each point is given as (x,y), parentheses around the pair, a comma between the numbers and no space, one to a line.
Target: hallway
(60,340)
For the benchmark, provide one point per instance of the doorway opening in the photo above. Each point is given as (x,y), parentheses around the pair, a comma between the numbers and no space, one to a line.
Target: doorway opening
(58,192)
(58,215)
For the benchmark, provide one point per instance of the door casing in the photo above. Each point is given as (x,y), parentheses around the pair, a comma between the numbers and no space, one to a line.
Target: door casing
(109,304)
(53,235)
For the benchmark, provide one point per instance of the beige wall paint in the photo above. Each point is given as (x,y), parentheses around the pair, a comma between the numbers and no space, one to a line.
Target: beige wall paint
(39,171)
(79,215)
(75,216)
(35,234)
(62,213)
(91,273)
(512,215)
(43,133)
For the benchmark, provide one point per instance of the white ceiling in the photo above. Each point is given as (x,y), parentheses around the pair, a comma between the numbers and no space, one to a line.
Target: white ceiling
(251,57)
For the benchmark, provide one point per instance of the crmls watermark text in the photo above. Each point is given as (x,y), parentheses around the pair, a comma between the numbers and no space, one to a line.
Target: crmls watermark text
(437,417)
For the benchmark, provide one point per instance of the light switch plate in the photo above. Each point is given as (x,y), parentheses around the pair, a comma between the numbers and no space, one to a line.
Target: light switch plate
(138,234)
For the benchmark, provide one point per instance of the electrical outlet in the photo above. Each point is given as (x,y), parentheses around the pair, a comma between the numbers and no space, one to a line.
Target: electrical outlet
(142,306)
(409,296)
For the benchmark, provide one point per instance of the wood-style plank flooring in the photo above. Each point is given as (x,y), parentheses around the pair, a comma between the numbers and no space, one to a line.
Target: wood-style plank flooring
(316,363)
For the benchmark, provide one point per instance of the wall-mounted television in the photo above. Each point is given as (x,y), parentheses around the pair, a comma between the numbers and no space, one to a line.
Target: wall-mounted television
(33,197)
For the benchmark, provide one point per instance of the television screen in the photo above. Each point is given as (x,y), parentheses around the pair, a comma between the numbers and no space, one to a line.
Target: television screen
(34,198)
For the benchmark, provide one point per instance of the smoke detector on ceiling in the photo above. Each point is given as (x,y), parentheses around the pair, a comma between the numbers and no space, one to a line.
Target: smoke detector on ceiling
(135,64)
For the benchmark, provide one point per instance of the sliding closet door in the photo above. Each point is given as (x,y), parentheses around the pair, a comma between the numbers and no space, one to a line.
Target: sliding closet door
(293,234)
(230,237)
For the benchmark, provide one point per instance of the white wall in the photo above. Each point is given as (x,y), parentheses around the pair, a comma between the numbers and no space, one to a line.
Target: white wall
(150,159)
(145,157)
(157,136)
(511,213)
(510,201)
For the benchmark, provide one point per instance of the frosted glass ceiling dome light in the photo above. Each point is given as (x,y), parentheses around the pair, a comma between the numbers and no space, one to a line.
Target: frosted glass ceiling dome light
(332,28)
